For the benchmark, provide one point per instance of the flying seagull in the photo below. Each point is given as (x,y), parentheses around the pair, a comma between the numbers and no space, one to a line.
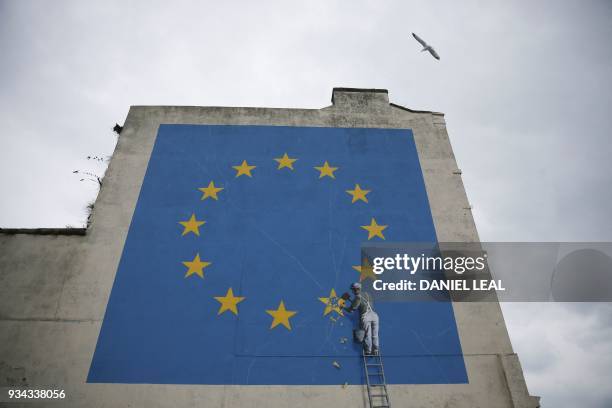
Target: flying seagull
(426,47)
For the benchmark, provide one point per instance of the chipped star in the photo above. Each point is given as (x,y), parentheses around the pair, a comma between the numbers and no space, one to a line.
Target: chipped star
(332,303)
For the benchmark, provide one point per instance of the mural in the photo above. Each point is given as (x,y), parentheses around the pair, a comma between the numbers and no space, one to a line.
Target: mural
(242,241)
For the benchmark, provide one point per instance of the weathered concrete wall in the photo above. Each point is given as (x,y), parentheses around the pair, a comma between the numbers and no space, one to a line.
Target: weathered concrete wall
(54,289)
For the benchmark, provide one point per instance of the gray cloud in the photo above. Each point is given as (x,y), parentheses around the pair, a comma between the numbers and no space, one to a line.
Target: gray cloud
(525,86)
(564,350)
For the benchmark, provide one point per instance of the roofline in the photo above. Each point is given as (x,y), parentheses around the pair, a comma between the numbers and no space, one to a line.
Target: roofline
(415,111)
(336,89)
(44,231)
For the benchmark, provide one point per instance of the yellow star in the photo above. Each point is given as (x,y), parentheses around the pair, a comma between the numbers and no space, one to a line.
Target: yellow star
(374,230)
(285,161)
(332,303)
(196,266)
(210,191)
(358,194)
(244,168)
(281,316)
(365,270)
(192,225)
(229,302)
(326,170)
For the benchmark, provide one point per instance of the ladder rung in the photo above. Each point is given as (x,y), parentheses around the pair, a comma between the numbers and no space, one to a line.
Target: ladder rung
(375,360)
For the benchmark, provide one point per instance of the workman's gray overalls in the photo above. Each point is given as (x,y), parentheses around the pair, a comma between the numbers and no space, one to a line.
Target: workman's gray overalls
(369,323)
(368,320)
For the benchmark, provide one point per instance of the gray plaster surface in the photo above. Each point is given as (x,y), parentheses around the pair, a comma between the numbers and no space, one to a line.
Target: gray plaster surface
(54,288)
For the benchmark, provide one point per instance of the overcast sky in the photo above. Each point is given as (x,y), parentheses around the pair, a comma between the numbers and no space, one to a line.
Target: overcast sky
(526,88)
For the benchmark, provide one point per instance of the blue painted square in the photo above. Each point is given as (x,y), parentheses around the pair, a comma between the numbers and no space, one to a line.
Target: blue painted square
(281,234)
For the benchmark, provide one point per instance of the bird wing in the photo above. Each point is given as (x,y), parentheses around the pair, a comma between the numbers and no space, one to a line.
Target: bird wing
(434,53)
(419,39)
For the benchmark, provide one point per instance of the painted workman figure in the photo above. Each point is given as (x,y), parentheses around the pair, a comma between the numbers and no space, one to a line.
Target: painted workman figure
(368,318)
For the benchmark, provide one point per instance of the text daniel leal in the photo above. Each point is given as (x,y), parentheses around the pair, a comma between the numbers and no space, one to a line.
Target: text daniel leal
(452,285)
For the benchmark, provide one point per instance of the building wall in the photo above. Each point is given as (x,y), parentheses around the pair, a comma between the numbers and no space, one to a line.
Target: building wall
(54,289)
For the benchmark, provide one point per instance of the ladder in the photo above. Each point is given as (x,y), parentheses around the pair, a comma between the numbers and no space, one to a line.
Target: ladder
(375,380)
